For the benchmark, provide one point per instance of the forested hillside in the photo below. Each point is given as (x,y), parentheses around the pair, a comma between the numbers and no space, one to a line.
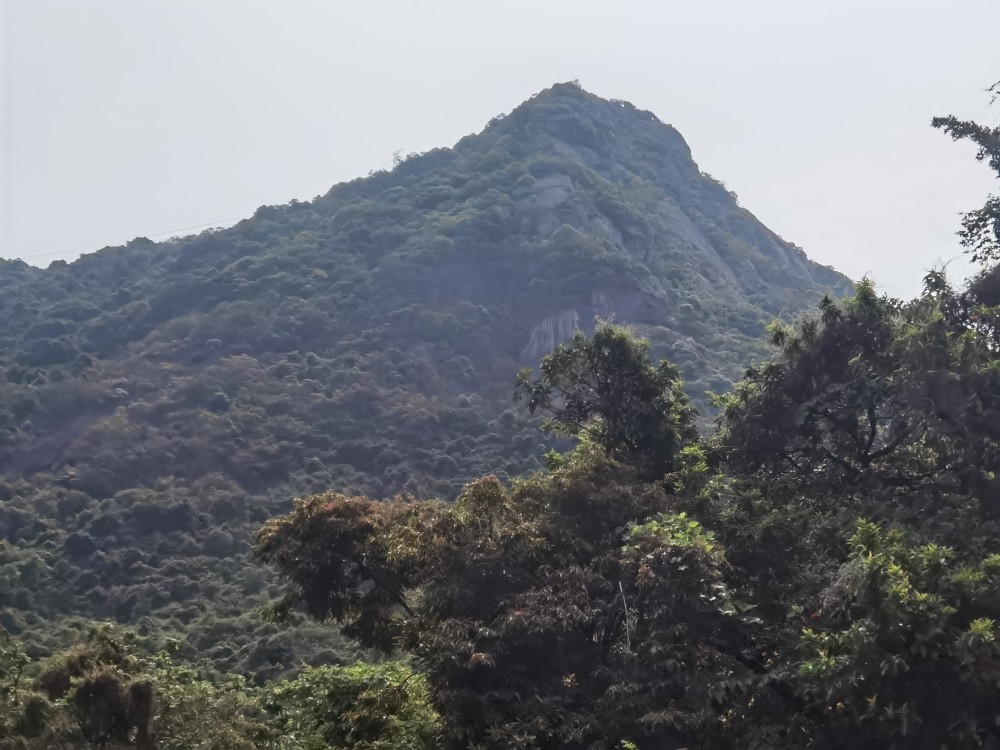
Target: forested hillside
(159,401)
(820,569)
(821,572)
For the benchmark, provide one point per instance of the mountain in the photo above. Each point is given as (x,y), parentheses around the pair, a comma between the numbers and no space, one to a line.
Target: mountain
(158,401)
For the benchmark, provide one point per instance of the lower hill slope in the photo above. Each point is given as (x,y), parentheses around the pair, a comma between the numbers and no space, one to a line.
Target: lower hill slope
(158,401)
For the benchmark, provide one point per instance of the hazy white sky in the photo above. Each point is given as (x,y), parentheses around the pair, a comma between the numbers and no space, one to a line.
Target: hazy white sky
(157,118)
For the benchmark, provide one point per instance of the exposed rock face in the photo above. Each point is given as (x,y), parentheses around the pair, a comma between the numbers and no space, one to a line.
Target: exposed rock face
(550,192)
(615,220)
(679,227)
(554,330)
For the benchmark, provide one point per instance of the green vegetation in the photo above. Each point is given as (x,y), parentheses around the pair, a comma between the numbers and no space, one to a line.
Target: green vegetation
(104,692)
(821,570)
(159,401)
(605,389)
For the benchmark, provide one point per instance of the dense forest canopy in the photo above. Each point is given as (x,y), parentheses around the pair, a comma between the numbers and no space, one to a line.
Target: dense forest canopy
(819,567)
(159,401)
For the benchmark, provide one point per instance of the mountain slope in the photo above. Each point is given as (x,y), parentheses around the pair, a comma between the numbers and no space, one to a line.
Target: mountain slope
(159,400)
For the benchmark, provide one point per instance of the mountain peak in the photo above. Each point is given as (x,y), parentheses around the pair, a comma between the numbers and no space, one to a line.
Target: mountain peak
(574,115)
(165,396)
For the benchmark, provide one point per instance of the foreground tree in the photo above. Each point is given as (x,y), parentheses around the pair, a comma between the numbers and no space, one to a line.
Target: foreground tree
(107,692)
(862,506)
(905,650)
(606,389)
(850,572)
(104,692)
(578,608)
(981,227)
(890,407)
(845,596)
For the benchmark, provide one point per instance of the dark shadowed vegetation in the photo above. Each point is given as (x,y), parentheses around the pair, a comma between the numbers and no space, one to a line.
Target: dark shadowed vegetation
(809,559)
(159,401)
